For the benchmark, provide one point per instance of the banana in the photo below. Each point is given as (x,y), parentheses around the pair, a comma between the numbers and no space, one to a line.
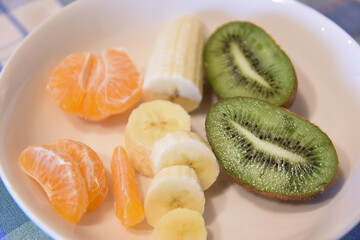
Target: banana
(173,187)
(186,148)
(147,123)
(180,224)
(175,70)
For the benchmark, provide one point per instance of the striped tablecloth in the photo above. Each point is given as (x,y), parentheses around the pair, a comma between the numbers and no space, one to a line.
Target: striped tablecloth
(19,17)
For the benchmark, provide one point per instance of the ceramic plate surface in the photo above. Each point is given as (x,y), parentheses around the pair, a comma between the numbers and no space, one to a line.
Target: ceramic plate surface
(326,60)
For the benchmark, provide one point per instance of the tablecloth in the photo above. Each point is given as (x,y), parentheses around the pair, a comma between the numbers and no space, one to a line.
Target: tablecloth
(19,17)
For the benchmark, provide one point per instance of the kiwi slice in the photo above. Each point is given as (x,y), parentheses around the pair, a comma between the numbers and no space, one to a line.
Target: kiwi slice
(241,59)
(270,150)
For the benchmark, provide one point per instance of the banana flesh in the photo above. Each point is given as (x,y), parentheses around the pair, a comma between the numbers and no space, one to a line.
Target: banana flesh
(173,187)
(148,123)
(180,224)
(175,70)
(186,148)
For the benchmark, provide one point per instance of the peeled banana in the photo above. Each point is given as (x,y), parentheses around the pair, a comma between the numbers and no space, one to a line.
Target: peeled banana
(175,70)
(180,224)
(146,124)
(173,187)
(186,148)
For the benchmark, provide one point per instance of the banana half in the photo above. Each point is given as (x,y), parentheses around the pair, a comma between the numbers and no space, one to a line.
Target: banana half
(148,123)
(173,187)
(175,69)
(186,148)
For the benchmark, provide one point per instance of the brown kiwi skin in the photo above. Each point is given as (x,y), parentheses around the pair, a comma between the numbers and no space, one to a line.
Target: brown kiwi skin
(281,196)
(291,100)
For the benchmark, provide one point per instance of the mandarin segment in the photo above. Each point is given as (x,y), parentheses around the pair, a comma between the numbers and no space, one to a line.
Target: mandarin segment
(129,208)
(95,79)
(96,87)
(91,168)
(121,88)
(66,82)
(60,177)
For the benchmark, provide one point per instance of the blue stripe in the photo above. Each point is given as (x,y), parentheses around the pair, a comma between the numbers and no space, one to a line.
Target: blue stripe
(13,4)
(2,234)
(62,2)
(11,216)
(4,59)
(350,23)
(1,67)
(24,231)
(10,43)
(13,20)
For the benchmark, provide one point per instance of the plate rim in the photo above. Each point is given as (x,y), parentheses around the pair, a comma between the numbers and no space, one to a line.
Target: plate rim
(77,4)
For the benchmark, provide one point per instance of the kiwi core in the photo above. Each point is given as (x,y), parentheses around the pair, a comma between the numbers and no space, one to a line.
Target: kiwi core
(279,152)
(242,63)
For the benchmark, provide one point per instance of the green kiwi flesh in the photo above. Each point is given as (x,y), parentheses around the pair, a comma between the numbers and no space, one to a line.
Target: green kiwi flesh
(270,150)
(241,59)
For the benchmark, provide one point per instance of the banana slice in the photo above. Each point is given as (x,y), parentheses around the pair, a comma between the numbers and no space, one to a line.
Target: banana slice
(186,148)
(148,123)
(173,187)
(180,224)
(175,70)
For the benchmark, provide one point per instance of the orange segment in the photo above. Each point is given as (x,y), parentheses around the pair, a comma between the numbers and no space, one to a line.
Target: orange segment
(94,80)
(59,176)
(66,84)
(129,208)
(121,88)
(96,87)
(91,168)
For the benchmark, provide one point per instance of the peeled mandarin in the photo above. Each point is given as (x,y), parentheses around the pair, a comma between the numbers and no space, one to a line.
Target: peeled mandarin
(60,177)
(91,168)
(96,87)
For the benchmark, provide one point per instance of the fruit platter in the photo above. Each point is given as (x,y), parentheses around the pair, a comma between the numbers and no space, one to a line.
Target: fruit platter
(184,120)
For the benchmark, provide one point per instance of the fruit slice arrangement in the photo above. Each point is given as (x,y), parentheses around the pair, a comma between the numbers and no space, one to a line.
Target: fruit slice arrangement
(96,87)
(269,150)
(241,59)
(184,167)
(59,168)
(160,143)
(175,70)
(175,201)
(264,148)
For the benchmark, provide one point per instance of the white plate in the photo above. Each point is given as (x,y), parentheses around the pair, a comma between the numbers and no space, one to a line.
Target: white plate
(326,61)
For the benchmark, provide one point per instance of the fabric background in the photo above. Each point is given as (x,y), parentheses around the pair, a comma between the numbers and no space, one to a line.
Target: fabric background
(19,17)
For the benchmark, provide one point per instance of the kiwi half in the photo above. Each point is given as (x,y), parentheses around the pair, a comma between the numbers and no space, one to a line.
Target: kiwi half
(241,59)
(270,150)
